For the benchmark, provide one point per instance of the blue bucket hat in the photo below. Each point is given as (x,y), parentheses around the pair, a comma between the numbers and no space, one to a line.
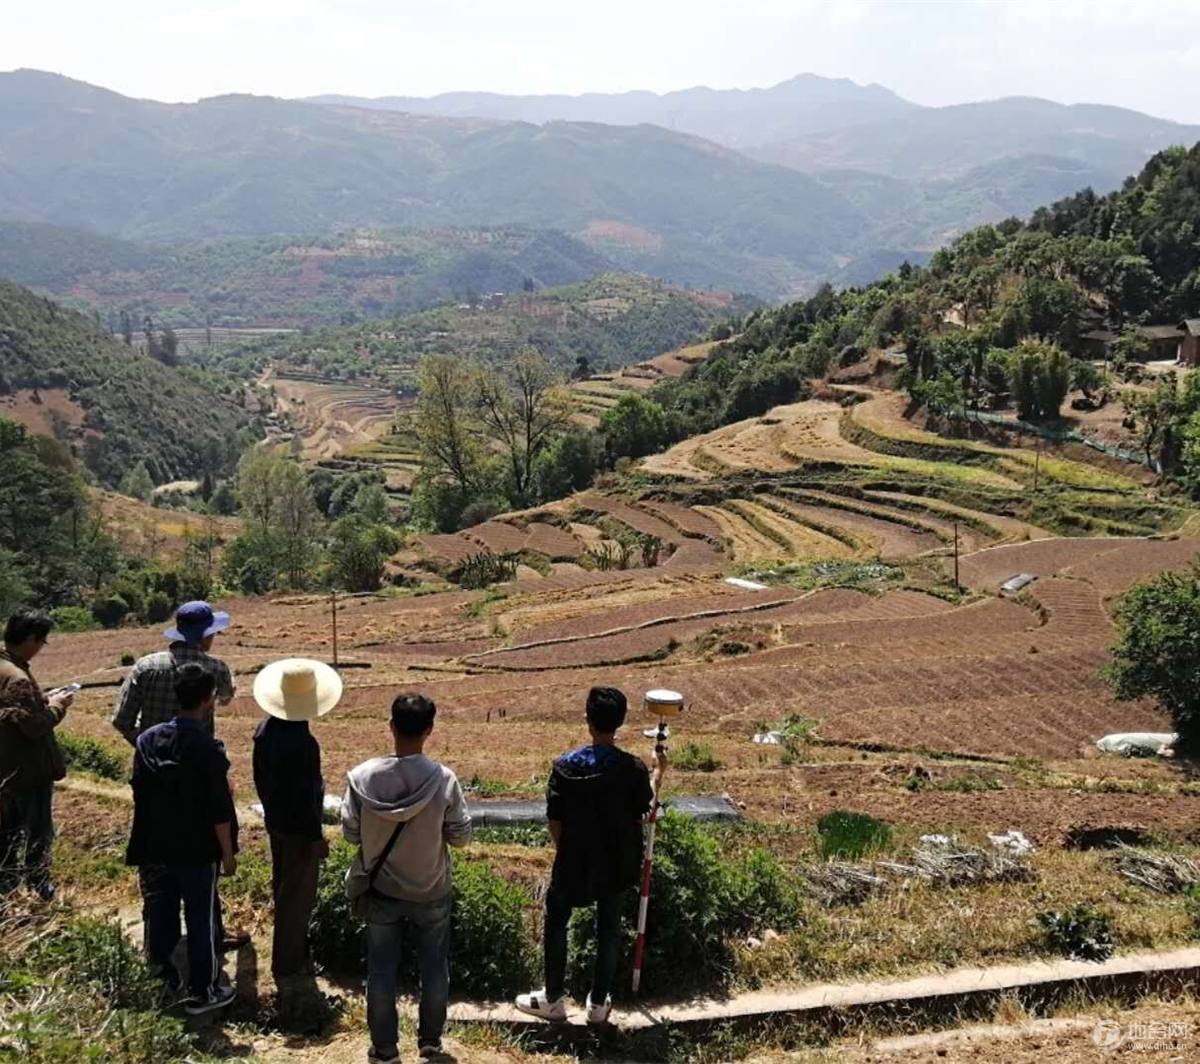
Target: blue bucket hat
(195,621)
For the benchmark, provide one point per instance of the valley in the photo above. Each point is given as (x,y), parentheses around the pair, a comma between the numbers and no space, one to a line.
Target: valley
(496,398)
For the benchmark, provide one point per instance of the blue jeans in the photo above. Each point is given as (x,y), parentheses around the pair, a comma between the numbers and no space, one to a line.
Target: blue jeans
(608,943)
(26,836)
(430,923)
(164,887)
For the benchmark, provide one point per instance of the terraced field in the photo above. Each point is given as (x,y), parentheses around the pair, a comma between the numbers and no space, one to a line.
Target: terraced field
(937,708)
(332,419)
(602,391)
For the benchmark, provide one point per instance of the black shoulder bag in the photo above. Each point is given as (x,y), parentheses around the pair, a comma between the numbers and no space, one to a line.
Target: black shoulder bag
(369,890)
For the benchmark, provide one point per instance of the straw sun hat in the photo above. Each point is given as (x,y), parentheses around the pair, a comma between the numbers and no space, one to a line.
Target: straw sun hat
(297,689)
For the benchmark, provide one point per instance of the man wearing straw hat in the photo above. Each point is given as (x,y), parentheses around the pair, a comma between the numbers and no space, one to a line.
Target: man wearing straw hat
(287,776)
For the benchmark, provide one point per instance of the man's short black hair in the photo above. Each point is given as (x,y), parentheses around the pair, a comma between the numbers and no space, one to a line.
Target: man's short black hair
(606,709)
(193,685)
(412,715)
(26,624)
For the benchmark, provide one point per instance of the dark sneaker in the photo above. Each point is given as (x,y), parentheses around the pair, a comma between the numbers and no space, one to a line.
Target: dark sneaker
(383,1056)
(217,998)
(431,1051)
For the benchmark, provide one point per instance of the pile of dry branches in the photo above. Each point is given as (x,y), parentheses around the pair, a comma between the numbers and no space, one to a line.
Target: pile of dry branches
(1164,873)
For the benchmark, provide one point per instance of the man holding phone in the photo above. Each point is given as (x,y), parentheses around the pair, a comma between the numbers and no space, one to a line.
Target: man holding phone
(183,834)
(30,760)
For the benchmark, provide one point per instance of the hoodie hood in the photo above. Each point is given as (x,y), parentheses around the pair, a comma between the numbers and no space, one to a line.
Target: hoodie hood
(588,762)
(162,747)
(397,788)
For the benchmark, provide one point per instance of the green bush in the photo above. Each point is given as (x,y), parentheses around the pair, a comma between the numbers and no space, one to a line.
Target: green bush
(493,953)
(490,946)
(701,900)
(696,757)
(1082,932)
(127,658)
(92,952)
(82,992)
(74,619)
(335,933)
(158,607)
(846,835)
(110,610)
(89,755)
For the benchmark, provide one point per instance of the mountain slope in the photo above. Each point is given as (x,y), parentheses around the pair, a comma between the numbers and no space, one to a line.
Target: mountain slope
(947,142)
(612,320)
(64,376)
(737,118)
(76,155)
(287,280)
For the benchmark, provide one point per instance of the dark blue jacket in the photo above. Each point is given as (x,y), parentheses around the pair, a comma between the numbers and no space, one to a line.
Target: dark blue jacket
(600,794)
(180,791)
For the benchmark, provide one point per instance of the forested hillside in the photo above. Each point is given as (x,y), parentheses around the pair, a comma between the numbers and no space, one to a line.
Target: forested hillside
(287,280)
(114,406)
(610,320)
(999,314)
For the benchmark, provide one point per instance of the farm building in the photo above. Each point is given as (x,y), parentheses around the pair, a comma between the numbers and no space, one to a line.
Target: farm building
(1189,342)
(1097,344)
(1164,341)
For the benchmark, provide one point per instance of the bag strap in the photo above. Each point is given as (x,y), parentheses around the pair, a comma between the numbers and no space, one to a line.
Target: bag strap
(375,869)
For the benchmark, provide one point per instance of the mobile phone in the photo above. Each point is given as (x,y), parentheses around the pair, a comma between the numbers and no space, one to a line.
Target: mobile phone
(68,689)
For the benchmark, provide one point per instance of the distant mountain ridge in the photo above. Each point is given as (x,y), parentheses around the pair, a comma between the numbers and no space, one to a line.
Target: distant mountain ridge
(894,181)
(814,124)
(736,118)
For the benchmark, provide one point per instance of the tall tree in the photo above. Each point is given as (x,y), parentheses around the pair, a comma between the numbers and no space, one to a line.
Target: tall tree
(1157,653)
(523,411)
(446,422)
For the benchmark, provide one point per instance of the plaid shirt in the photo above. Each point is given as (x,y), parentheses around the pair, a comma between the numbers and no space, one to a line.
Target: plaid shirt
(148,693)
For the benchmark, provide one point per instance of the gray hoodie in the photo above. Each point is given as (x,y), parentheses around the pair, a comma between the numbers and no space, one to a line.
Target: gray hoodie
(422,792)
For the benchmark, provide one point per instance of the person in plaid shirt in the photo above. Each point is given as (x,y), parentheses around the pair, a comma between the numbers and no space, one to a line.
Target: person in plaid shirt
(148,694)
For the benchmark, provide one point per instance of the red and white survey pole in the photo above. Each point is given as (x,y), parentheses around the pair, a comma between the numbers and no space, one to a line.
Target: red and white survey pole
(666,705)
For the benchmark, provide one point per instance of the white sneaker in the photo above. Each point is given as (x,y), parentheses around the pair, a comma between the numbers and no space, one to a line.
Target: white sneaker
(598,1014)
(537,1004)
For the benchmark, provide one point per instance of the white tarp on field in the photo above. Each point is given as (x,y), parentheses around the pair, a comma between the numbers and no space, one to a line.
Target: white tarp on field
(1137,744)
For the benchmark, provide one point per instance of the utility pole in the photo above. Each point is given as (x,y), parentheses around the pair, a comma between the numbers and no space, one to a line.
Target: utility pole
(333,615)
(957,585)
(1037,462)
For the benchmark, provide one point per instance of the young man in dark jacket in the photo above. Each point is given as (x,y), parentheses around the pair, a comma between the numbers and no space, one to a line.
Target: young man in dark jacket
(182,835)
(596,800)
(30,760)
(287,776)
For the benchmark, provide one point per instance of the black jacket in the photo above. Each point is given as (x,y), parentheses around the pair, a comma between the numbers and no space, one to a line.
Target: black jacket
(287,776)
(180,791)
(601,795)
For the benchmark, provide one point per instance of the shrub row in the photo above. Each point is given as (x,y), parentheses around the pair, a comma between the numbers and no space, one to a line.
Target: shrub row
(703,901)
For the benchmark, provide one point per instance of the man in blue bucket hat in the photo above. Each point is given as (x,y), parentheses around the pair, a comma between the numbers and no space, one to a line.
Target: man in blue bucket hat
(148,694)
(148,698)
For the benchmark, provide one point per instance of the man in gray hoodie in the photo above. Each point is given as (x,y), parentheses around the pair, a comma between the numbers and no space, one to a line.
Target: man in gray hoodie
(402,812)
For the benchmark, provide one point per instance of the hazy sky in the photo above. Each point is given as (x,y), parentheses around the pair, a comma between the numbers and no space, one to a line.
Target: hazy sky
(1143,54)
